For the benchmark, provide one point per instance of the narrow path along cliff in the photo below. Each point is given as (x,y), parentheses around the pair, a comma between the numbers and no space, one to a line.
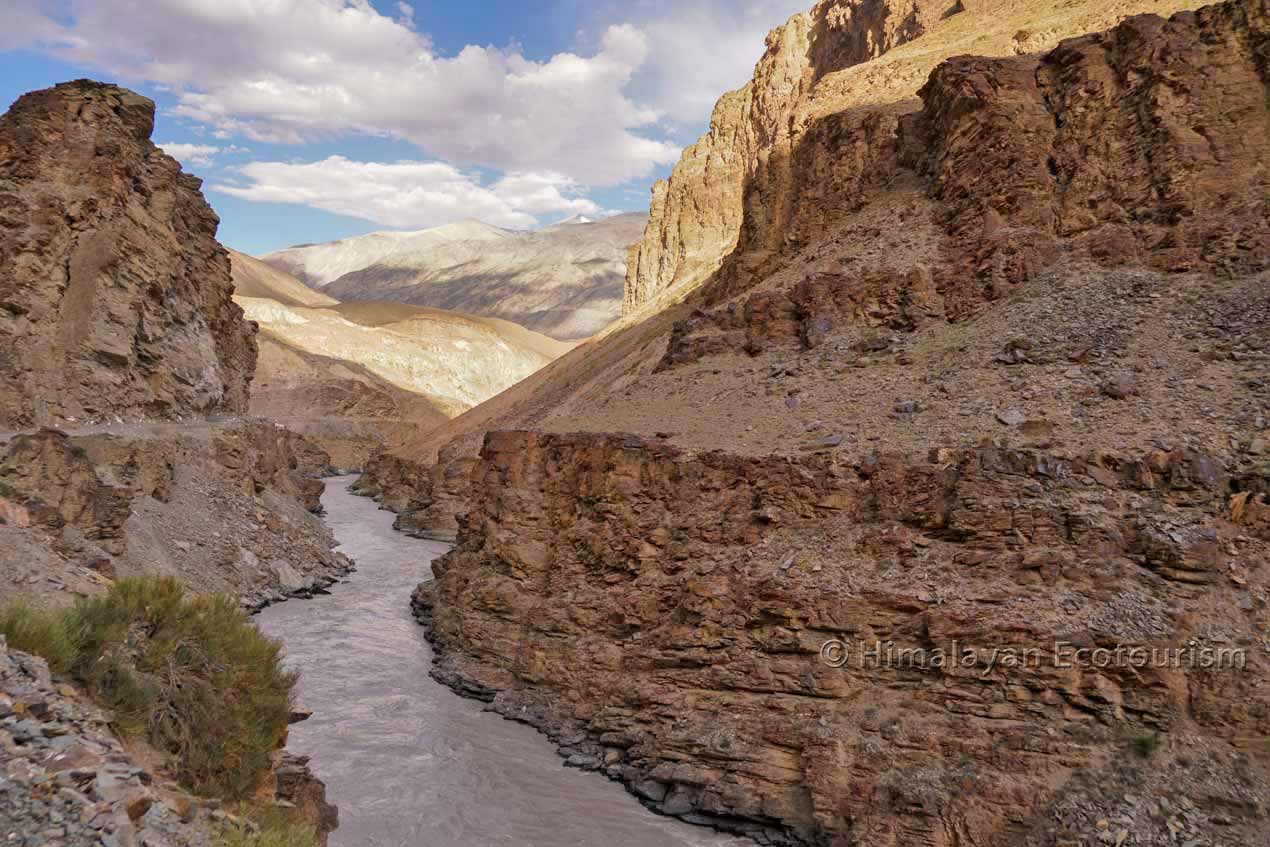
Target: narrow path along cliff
(407,760)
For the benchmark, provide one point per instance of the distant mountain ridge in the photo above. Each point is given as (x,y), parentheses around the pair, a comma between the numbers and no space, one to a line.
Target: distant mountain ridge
(564,280)
(353,376)
(253,278)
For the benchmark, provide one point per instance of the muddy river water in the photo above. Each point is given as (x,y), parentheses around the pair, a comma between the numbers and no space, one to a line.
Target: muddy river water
(410,763)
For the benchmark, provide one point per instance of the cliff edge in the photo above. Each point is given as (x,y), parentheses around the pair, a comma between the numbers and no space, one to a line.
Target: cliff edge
(115,298)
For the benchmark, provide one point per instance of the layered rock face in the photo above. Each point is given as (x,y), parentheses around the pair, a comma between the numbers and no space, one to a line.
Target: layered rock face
(114,294)
(428,499)
(1145,146)
(736,192)
(227,508)
(680,649)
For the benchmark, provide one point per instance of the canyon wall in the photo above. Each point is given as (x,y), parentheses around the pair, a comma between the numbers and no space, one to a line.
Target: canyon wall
(229,508)
(696,214)
(1142,147)
(114,294)
(734,193)
(680,649)
(1145,146)
(115,306)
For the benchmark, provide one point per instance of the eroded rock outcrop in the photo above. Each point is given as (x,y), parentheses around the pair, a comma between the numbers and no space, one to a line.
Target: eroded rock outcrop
(114,294)
(1143,146)
(787,156)
(428,499)
(681,650)
(697,214)
(227,507)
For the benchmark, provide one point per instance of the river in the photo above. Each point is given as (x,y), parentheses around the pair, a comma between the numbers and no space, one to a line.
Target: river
(410,763)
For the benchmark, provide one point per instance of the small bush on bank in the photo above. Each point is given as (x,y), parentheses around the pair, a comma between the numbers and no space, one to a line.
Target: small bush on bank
(190,673)
(274,828)
(48,635)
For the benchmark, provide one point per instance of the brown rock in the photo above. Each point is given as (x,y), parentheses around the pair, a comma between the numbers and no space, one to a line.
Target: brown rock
(704,642)
(1025,160)
(1121,386)
(114,294)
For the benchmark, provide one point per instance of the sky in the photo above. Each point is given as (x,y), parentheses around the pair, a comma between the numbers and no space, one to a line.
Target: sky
(312,120)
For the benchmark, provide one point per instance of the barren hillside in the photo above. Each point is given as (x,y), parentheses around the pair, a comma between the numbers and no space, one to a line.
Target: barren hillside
(253,278)
(564,281)
(355,376)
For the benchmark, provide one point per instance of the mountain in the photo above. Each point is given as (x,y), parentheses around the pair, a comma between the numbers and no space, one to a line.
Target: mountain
(949,343)
(319,265)
(253,278)
(455,360)
(354,376)
(125,372)
(564,280)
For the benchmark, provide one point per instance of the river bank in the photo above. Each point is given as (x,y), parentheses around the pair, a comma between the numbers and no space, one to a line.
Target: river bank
(406,759)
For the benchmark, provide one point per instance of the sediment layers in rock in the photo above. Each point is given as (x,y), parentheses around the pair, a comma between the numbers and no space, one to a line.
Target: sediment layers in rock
(225,507)
(114,294)
(1144,146)
(679,649)
(771,175)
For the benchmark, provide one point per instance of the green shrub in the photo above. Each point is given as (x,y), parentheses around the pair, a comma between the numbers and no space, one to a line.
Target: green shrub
(48,634)
(275,828)
(1146,744)
(190,673)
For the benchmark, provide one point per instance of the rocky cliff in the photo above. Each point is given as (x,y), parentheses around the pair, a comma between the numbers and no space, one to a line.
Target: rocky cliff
(227,508)
(114,294)
(682,651)
(1145,146)
(987,372)
(733,194)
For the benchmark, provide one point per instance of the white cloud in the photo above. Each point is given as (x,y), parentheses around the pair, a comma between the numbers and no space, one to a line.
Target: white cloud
(677,81)
(543,193)
(298,70)
(190,154)
(26,24)
(697,50)
(410,195)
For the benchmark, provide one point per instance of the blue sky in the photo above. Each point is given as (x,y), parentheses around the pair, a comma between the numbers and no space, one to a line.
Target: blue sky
(311,120)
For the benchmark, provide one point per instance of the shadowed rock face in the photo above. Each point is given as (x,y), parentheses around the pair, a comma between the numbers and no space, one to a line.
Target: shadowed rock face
(114,294)
(734,194)
(1142,146)
(697,214)
(679,649)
